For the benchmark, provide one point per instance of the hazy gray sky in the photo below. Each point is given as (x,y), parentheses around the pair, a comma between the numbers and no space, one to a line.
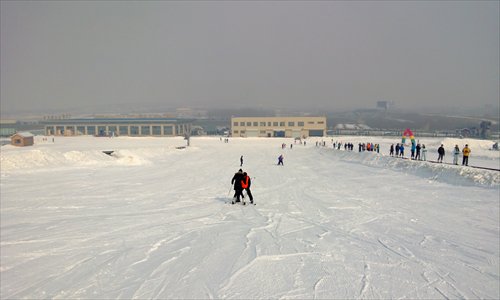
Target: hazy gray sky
(67,55)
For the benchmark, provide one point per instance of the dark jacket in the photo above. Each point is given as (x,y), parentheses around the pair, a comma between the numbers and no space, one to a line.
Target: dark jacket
(237,178)
(441,150)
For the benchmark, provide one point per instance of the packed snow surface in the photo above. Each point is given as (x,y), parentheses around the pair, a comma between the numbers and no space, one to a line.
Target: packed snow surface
(152,220)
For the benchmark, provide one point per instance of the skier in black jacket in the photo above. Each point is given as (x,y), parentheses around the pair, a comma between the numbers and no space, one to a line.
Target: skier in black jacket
(236,181)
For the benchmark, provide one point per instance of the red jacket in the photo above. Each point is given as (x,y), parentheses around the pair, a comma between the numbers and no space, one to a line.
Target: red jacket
(245,183)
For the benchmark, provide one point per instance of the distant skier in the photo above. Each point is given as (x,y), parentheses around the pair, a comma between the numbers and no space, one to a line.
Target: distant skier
(245,184)
(456,153)
(238,189)
(466,152)
(241,161)
(441,153)
(280,160)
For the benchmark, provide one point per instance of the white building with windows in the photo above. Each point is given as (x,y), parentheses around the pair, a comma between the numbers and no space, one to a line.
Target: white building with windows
(118,127)
(292,127)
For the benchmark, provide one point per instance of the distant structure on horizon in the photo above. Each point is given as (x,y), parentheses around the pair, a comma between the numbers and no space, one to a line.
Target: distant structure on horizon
(384,105)
(118,127)
(290,127)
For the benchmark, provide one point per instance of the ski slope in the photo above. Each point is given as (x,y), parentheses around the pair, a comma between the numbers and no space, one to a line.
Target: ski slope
(152,221)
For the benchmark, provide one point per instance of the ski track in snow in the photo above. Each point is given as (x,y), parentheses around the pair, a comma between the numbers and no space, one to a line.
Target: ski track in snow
(152,222)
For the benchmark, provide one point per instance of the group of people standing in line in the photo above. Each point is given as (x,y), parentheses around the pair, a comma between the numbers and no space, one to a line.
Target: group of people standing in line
(417,151)
(456,153)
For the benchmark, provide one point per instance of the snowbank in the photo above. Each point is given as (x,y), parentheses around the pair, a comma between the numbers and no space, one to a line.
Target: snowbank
(456,175)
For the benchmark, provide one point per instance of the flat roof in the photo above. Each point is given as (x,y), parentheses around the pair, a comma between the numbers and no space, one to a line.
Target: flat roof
(116,121)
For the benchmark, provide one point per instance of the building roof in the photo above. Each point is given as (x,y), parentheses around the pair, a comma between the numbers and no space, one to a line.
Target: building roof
(24,134)
(117,121)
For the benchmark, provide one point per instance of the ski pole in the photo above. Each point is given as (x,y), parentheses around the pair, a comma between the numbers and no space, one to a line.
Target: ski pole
(229,193)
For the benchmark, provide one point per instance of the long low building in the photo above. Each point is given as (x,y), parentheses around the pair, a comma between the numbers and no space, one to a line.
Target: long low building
(292,127)
(118,127)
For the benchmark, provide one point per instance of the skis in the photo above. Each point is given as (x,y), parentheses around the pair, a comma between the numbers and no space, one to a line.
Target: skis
(233,201)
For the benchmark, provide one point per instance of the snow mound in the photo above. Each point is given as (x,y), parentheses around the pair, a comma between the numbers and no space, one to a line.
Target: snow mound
(30,159)
(130,158)
(40,159)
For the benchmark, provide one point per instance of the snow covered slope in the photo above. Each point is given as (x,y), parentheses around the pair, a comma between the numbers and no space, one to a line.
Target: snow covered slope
(151,221)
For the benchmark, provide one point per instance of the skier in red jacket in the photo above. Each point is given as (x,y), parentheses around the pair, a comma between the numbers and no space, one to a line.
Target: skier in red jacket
(245,184)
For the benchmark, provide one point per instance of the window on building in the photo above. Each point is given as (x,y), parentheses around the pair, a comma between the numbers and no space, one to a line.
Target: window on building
(300,124)
(275,123)
(242,123)
(236,132)
(101,130)
(282,124)
(235,123)
(321,122)
(123,130)
(80,130)
(112,130)
(91,130)
(60,130)
(310,122)
(242,132)
(315,132)
(134,130)
(156,130)
(263,124)
(263,132)
(279,133)
(145,130)
(168,130)
(269,124)
(291,124)
(249,124)
(255,124)
(17,141)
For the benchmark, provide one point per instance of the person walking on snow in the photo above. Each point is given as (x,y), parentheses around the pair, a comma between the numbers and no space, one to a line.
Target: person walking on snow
(280,160)
(245,184)
(241,161)
(238,189)
(456,153)
(466,152)
(441,153)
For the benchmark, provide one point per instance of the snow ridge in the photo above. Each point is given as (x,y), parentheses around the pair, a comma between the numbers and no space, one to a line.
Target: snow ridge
(451,174)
